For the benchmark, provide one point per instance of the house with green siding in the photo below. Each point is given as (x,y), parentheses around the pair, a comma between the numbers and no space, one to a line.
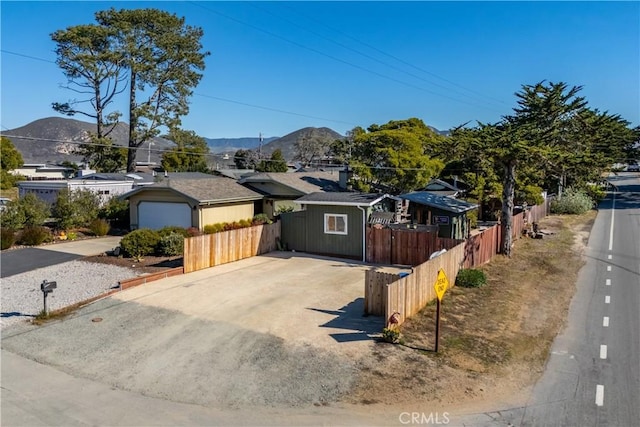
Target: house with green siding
(334,223)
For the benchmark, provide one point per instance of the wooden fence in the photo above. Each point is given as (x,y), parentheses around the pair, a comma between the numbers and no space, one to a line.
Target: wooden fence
(386,293)
(400,246)
(219,248)
(408,295)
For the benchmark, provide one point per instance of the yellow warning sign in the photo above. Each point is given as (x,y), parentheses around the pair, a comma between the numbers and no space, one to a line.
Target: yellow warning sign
(441,285)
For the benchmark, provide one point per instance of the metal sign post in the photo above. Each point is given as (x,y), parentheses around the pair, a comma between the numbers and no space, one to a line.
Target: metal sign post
(47,288)
(441,285)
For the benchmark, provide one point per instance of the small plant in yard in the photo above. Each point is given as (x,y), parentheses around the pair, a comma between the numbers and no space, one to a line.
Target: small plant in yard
(7,238)
(470,278)
(173,229)
(99,227)
(213,228)
(391,335)
(72,235)
(139,243)
(261,219)
(35,235)
(171,245)
(193,232)
(573,202)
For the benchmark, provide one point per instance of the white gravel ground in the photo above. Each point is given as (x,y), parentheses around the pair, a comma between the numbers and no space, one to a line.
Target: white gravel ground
(76,281)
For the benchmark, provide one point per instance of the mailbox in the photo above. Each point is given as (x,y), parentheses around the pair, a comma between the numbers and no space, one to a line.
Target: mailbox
(48,287)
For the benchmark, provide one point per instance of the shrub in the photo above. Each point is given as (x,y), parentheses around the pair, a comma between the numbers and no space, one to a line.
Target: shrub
(193,232)
(72,235)
(171,245)
(573,202)
(27,210)
(116,211)
(284,209)
(7,238)
(34,235)
(472,216)
(213,228)
(595,193)
(99,227)
(173,229)
(244,223)
(470,278)
(76,208)
(139,243)
(391,335)
(261,219)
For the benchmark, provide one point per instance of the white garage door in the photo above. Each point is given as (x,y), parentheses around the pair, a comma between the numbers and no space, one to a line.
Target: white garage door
(156,215)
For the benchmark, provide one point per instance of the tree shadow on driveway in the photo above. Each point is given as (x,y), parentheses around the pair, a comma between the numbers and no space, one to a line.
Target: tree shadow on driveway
(352,317)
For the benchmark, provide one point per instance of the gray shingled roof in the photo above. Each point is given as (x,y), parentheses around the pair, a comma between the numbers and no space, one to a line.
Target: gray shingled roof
(441,202)
(341,199)
(304,182)
(209,189)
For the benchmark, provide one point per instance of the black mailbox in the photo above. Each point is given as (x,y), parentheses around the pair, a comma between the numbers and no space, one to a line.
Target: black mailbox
(48,287)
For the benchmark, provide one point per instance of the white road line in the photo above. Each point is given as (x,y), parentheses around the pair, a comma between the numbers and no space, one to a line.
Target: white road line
(608,282)
(605,322)
(609,256)
(603,352)
(608,268)
(607,299)
(613,211)
(599,395)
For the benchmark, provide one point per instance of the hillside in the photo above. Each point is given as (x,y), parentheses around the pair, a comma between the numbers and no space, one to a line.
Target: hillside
(231,145)
(287,143)
(51,140)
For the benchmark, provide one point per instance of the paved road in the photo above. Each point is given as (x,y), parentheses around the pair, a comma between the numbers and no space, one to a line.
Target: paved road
(18,261)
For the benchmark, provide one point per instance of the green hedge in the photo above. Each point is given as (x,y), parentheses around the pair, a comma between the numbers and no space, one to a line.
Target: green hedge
(470,278)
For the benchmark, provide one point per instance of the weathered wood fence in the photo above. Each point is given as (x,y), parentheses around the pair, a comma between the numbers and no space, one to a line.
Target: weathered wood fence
(402,246)
(386,293)
(214,249)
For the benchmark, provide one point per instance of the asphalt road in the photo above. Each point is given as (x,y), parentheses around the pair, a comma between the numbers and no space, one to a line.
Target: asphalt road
(592,376)
(18,261)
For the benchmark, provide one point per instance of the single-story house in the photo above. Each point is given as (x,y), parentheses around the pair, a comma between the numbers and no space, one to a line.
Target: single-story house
(191,200)
(448,213)
(106,185)
(42,171)
(333,223)
(441,187)
(280,189)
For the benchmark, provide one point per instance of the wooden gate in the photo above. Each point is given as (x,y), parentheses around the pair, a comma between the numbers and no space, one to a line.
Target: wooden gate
(398,246)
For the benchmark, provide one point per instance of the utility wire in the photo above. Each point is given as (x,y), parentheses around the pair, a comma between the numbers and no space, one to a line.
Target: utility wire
(485,97)
(254,5)
(334,58)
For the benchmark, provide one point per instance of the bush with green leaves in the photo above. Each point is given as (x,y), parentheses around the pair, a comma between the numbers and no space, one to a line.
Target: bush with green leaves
(28,210)
(213,228)
(34,235)
(116,211)
(260,219)
(99,227)
(573,202)
(470,278)
(171,245)
(595,193)
(173,229)
(76,208)
(7,238)
(139,243)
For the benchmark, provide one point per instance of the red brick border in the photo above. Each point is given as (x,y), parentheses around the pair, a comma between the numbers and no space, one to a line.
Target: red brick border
(141,280)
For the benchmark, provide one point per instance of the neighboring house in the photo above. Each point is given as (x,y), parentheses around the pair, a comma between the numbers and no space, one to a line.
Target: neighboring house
(105,185)
(448,213)
(333,223)
(443,188)
(280,189)
(191,200)
(40,171)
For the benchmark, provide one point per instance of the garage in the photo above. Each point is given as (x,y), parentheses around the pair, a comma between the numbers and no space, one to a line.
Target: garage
(156,215)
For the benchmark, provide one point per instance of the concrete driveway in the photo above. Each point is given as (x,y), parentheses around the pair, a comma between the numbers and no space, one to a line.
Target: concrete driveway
(280,329)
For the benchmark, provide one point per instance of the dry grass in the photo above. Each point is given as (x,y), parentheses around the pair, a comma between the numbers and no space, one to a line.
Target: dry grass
(494,339)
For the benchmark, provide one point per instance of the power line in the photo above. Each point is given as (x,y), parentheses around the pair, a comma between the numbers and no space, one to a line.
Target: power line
(390,55)
(300,45)
(254,5)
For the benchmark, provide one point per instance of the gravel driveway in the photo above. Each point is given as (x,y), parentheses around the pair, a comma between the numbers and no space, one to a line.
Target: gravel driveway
(270,330)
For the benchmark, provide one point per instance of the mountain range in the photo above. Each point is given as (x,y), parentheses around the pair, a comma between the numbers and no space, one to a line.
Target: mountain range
(51,141)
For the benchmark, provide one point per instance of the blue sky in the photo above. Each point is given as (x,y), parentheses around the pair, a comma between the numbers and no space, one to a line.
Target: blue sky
(347,64)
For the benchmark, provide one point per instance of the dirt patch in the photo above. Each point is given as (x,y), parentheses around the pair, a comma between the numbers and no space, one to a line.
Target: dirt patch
(149,264)
(495,339)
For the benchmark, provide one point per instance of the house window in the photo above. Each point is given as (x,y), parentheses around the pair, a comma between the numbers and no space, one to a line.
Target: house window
(335,224)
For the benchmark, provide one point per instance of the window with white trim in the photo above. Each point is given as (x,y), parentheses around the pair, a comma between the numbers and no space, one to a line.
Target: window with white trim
(335,224)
